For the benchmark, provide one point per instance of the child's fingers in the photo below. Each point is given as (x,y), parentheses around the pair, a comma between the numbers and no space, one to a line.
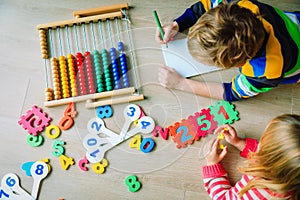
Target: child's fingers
(158,37)
(223,153)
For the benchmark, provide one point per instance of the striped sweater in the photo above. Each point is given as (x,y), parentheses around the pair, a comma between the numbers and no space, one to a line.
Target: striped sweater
(218,187)
(278,60)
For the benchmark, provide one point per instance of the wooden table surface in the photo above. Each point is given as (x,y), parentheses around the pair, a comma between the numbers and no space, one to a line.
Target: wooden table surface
(165,173)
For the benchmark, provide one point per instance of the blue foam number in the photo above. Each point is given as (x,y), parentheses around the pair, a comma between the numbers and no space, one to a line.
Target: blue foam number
(184,136)
(147,149)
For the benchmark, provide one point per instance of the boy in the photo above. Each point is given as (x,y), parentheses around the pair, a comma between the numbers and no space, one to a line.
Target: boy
(260,40)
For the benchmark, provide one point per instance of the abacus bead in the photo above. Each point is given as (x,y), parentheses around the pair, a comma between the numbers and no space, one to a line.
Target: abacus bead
(120,46)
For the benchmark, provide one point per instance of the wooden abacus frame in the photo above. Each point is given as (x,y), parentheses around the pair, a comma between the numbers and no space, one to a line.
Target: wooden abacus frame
(122,95)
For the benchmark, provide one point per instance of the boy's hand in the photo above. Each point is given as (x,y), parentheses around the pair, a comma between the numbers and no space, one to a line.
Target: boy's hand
(168,77)
(231,137)
(170,31)
(214,156)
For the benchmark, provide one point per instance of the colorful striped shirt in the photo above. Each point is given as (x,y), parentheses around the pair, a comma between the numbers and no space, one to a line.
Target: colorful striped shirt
(217,185)
(278,60)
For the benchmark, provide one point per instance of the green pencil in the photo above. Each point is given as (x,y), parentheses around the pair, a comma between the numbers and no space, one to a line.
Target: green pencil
(159,25)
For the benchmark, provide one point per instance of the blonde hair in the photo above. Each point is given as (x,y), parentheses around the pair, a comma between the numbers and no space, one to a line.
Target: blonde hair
(226,36)
(276,164)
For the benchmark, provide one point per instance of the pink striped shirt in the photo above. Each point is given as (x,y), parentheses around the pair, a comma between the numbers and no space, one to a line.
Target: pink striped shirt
(218,187)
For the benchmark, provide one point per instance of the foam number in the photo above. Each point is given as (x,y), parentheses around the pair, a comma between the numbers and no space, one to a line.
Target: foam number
(82,162)
(34,121)
(147,145)
(104,111)
(205,123)
(65,123)
(136,142)
(70,110)
(133,184)
(164,133)
(58,148)
(224,113)
(10,183)
(39,170)
(131,113)
(52,131)
(35,141)
(66,162)
(183,133)
(99,168)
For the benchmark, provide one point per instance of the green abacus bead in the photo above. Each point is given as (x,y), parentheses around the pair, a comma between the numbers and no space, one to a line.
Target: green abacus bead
(109,88)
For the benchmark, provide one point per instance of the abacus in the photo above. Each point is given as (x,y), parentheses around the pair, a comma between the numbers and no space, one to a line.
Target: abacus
(90,76)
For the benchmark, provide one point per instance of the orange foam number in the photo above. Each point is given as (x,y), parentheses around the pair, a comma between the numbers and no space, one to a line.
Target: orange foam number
(71,110)
(67,121)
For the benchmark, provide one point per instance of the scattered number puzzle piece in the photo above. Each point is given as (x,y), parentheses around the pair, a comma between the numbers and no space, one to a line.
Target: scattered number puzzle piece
(147,145)
(224,113)
(164,133)
(34,121)
(52,128)
(205,123)
(183,133)
(70,110)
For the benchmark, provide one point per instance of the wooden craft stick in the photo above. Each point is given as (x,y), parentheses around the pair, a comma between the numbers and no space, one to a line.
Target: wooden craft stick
(106,94)
(114,101)
(99,10)
(79,21)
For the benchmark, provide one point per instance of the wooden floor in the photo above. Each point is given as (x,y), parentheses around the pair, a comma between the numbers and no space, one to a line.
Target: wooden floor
(166,172)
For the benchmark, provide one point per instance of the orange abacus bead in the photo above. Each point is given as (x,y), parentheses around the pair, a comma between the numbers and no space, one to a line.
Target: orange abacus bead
(64,76)
(48,94)
(55,78)
(43,44)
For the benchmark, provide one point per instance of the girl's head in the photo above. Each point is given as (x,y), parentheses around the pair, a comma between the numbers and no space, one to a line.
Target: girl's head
(226,36)
(276,164)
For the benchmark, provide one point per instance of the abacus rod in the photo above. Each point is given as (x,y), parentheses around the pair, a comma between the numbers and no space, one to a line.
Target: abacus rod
(101,32)
(68,39)
(59,39)
(51,42)
(76,37)
(46,73)
(118,30)
(84,37)
(131,55)
(93,34)
(109,31)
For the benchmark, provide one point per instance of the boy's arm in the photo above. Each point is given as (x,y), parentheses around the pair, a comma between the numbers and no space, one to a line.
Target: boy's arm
(190,16)
(244,87)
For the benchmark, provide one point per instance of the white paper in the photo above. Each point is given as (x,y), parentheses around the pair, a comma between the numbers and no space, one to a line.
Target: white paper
(177,56)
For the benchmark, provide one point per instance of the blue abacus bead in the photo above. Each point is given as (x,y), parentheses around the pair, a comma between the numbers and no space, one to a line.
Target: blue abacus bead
(120,46)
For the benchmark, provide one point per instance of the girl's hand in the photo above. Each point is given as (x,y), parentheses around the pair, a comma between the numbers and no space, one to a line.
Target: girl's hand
(170,31)
(231,136)
(168,77)
(214,156)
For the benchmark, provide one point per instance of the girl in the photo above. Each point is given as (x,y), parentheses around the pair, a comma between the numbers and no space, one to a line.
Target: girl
(272,170)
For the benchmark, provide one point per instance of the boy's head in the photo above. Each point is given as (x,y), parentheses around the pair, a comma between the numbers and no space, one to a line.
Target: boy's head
(226,36)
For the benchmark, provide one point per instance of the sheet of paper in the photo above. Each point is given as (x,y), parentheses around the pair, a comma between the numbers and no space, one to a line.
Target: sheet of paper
(177,56)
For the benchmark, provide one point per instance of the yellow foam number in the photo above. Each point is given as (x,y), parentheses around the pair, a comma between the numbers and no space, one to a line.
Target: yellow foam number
(99,167)
(52,128)
(136,142)
(65,162)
